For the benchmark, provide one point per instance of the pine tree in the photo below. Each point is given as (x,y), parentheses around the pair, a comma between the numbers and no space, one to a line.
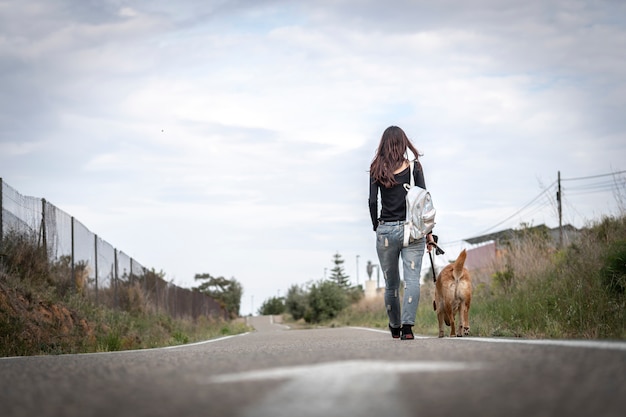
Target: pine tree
(337,274)
(226,291)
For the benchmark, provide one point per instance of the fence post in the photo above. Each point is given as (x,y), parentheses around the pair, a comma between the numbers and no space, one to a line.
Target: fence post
(73,277)
(1,220)
(115,278)
(95,250)
(193,313)
(145,287)
(42,230)
(156,291)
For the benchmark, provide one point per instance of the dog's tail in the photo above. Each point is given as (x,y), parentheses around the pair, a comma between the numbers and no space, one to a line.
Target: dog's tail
(457,272)
(457,269)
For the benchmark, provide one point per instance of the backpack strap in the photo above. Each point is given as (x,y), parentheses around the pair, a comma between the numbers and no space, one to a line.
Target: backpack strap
(411,183)
(407,223)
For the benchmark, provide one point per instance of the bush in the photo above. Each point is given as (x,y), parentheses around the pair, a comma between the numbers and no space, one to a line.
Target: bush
(42,310)
(326,300)
(354,294)
(614,269)
(296,302)
(272,306)
(23,257)
(577,291)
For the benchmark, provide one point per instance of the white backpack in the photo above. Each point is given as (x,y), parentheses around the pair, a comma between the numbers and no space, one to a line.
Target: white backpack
(420,211)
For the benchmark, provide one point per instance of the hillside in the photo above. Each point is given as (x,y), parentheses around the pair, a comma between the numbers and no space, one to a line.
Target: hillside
(536,290)
(41,312)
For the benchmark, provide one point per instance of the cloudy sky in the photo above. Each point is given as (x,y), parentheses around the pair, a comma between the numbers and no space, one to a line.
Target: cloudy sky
(234,137)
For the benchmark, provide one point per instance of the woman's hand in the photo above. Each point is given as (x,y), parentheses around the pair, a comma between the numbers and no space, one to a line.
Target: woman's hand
(430,242)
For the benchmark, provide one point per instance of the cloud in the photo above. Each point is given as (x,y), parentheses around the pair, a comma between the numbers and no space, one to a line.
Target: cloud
(234,138)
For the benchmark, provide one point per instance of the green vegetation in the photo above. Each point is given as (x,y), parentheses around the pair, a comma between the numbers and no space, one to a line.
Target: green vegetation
(569,293)
(325,299)
(42,312)
(296,302)
(272,306)
(337,274)
(227,292)
(534,290)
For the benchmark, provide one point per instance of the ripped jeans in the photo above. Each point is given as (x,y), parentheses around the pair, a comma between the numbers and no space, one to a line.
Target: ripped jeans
(389,241)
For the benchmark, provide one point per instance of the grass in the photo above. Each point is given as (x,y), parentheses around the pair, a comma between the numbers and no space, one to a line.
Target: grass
(535,290)
(41,313)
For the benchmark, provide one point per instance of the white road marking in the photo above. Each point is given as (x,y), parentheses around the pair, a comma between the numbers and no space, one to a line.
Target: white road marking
(337,388)
(386,332)
(201,343)
(593,344)
(344,368)
(118,352)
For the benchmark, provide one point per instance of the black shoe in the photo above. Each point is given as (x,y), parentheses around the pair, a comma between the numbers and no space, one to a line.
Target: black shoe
(407,332)
(395,332)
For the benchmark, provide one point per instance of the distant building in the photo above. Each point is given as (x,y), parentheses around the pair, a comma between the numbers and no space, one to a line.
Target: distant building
(490,247)
(481,257)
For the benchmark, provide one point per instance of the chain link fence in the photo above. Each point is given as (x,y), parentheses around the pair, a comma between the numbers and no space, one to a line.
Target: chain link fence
(93,267)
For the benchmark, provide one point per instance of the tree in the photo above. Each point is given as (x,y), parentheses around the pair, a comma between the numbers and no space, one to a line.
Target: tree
(326,300)
(337,274)
(354,293)
(272,306)
(296,302)
(228,292)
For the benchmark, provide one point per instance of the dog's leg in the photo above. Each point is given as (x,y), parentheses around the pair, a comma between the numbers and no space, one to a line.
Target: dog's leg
(449,318)
(440,314)
(452,326)
(459,332)
(465,318)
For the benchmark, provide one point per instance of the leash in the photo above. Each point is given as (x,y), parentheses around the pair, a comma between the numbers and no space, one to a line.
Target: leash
(438,251)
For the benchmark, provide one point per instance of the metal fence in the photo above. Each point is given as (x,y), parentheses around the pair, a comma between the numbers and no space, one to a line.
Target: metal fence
(93,267)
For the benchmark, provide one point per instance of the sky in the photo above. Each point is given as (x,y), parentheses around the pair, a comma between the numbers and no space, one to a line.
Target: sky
(234,137)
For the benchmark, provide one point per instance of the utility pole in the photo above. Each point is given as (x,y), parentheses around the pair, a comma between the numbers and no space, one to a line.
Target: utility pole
(559,196)
(357,269)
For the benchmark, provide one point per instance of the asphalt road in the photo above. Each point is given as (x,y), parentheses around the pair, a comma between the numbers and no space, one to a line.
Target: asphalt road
(324,372)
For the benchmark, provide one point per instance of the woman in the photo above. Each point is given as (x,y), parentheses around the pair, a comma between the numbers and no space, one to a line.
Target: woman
(389,171)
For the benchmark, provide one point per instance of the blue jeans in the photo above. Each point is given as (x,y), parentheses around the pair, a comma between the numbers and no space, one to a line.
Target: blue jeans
(389,241)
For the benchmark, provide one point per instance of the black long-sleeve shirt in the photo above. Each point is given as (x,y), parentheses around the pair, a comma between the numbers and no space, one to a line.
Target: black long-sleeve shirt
(393,199)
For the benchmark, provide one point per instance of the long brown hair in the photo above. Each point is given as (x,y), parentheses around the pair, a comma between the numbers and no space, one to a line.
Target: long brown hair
(390,155)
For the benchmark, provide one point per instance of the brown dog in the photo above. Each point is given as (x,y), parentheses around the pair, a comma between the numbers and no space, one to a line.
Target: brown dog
(453,294)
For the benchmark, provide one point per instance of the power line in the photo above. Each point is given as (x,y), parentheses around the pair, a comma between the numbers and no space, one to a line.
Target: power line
(593,176)
(604,185)
(596,187)
(520,210)
(589,191)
